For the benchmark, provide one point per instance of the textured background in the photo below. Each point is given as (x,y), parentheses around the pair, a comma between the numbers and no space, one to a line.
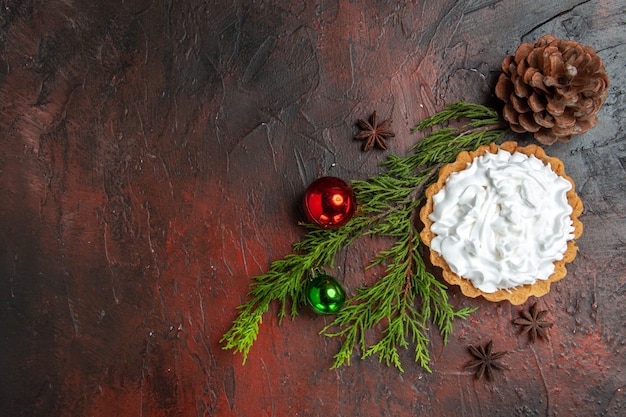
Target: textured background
(153,154)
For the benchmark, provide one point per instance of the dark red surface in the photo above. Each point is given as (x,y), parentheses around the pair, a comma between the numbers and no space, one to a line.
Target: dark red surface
(154,156)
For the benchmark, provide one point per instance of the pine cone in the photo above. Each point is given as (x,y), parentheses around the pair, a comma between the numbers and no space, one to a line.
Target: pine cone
(552,89)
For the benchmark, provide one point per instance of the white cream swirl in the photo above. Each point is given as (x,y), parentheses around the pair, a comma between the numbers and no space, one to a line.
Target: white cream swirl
(502,221)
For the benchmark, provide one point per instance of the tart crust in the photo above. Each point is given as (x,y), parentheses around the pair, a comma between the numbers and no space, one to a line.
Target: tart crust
(517,295)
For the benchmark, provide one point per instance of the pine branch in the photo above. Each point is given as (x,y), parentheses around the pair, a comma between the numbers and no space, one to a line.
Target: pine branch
(406,299)
(285,281)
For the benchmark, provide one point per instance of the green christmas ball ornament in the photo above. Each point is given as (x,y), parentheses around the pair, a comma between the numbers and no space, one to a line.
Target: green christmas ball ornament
(325,295)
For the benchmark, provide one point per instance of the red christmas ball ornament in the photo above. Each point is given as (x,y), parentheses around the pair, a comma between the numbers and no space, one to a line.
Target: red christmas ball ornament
(329,202)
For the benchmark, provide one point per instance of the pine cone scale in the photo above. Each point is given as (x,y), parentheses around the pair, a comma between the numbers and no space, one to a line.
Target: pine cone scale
(519,104)
(544,120)
(523,51)
(527,121)
(565,121)
(523,90)
(536,103)
(510,115)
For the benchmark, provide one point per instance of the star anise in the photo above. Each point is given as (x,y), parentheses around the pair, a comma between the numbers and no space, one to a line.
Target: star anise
(485,361)
(533,323)
(373,133)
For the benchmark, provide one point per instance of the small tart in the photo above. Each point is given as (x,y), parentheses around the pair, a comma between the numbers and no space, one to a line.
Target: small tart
(516,295)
